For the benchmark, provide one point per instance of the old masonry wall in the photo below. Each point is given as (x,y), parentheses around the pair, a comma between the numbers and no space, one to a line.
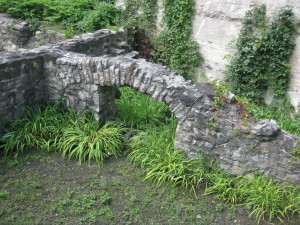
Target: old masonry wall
(83,72)
(26,77)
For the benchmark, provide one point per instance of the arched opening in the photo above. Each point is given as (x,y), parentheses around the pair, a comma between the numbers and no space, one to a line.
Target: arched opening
(152,127)
(139,110)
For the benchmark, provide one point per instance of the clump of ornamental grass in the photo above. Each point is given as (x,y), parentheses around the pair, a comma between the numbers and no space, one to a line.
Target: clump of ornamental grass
(53,128)
(88,140)
(154,151)
(263,196)
(38,129)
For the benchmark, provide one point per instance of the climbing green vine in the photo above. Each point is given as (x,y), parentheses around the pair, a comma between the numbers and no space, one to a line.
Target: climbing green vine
(174,46)
(263,49)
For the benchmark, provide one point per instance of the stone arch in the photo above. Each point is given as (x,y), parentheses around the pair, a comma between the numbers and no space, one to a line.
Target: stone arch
(93,73)
(257,147)
(86,82)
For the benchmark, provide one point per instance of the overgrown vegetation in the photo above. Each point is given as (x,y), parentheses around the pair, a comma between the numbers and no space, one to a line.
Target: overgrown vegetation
(82,137)
(262,52)
(56,129)
(154,151)
(76,16)
(173,46)
(139,111)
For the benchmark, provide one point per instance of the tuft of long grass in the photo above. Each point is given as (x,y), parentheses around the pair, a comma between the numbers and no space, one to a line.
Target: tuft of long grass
(87,140)
(263,196)
(35,129)
(139,110)
(154,151)
(77,135)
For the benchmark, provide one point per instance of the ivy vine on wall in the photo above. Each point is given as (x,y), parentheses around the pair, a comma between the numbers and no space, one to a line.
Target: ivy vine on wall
(262,53)
(174,46)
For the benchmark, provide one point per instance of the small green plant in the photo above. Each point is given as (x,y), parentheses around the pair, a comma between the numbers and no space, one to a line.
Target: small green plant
(104,197)
(220,207)
(295,153)
(250,147)
(4,194)
(146,201)
(212,132)
(232,208)
(249,136)
(107,212)
(221,88)
(212,122)
(236,131)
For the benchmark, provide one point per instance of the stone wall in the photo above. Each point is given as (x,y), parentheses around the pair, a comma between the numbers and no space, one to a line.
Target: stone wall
(26,76)
(239,147)
(21,84)
(87,82)
(13,33)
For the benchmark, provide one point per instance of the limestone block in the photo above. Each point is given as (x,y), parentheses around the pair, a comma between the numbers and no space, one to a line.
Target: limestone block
(266,129)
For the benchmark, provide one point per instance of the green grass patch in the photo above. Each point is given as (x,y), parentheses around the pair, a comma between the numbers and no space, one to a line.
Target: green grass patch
(139,110)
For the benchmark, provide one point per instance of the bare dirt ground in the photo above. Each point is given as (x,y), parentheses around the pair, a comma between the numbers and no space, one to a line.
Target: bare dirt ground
(43,188)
